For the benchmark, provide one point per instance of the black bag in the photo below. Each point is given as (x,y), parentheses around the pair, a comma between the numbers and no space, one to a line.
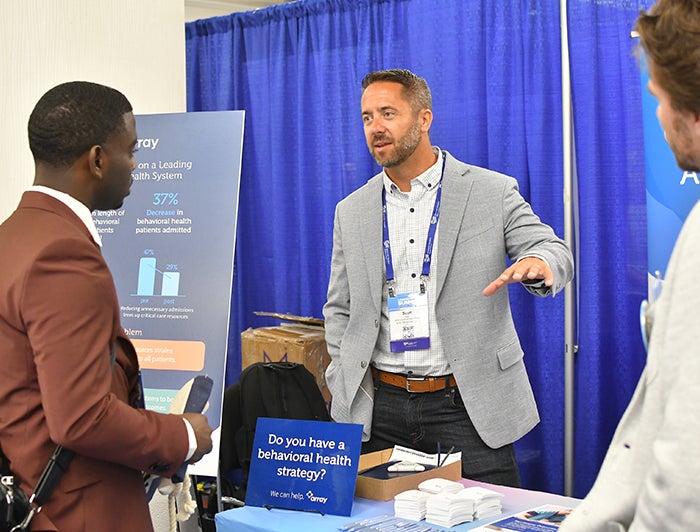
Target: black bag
(275,389)
(14,505)
(16,510)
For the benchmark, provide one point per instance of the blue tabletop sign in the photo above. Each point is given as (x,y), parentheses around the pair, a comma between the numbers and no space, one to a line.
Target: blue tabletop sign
(304,465)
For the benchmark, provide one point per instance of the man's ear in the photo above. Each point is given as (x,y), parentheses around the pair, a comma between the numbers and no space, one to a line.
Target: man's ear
(96,161)
(426,119)
(694,124)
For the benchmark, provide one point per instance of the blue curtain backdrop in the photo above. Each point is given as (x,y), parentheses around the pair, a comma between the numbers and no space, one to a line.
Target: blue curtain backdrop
(494,69)
(612,265)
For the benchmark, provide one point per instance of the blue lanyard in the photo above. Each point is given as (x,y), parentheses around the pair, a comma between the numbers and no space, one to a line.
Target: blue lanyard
(427,256)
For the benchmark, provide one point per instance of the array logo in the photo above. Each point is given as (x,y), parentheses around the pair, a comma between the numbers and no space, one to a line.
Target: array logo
(690,175)
(314,498)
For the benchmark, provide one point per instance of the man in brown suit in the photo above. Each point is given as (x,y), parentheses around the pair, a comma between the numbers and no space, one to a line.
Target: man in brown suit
(68,373)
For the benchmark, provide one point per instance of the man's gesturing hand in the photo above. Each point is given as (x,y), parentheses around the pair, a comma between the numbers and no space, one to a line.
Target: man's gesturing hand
(527,269)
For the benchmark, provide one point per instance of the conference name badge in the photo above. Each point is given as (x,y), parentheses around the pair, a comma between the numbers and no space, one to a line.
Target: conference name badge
(408,322)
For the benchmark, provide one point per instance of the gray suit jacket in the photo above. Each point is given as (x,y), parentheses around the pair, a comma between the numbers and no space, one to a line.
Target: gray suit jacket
(649,478)
(482,218)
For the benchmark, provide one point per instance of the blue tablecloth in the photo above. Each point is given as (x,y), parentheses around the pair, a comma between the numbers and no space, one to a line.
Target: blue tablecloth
(253,519)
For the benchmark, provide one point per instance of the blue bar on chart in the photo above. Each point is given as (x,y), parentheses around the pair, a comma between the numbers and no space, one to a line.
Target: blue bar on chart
(171,284)
(147,276)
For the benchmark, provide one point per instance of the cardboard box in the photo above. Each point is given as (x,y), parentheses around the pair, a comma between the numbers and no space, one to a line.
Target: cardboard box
(385,490)
(296,339)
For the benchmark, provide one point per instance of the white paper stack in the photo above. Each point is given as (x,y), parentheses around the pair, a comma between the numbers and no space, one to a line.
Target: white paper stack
(449,509)
(440,485)
(410,504)
(487,503)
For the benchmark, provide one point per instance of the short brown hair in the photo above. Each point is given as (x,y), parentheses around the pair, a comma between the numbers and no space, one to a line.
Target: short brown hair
(415,88)
(670,36)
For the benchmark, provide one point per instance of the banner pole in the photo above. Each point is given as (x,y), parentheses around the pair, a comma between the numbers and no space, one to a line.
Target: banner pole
(570,347)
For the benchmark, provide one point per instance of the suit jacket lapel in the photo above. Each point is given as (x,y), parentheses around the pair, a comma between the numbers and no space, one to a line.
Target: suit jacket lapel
(369,216)
(456,187)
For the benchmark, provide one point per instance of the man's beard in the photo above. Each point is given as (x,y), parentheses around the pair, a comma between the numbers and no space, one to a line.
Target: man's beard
(403,148)
(682,147)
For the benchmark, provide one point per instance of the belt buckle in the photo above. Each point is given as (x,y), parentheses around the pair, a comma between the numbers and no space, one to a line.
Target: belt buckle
(413,379)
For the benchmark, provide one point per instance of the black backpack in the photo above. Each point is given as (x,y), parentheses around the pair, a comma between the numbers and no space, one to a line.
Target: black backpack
(265,389)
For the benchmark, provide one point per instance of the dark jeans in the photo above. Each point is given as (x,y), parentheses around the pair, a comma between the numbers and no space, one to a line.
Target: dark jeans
(421,420)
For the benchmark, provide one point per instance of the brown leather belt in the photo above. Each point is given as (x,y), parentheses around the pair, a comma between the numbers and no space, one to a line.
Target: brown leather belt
(415,384)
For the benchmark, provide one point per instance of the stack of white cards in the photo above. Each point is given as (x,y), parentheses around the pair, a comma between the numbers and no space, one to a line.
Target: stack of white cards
(447,503)
(440,485)
(410,504)
(487,503)
(449,509)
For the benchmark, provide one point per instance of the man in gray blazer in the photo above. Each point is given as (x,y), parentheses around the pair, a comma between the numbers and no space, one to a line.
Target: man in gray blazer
(649,478)
(422,343)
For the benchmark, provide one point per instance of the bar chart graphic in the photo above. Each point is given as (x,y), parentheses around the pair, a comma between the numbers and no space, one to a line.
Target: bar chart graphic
(150,274)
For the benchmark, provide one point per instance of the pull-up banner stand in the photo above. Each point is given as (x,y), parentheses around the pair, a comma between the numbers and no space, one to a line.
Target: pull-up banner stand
(170,249)
(671,192)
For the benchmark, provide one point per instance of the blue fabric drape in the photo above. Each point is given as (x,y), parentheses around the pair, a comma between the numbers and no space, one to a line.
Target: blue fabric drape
(494,70)
(612,265)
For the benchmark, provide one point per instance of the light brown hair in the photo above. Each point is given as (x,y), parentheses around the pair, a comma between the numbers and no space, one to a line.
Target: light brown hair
(670,37)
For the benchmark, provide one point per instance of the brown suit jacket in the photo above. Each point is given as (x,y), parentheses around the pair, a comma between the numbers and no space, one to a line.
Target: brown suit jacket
(59,332)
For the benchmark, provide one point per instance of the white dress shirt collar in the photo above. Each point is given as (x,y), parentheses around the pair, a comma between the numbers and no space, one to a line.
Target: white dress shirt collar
(80,210)
(427,178)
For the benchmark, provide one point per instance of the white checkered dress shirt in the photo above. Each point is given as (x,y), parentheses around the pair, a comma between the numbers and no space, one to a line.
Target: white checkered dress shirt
(409,215)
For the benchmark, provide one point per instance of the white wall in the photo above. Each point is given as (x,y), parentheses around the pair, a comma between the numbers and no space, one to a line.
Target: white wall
(197,9)
(136,46)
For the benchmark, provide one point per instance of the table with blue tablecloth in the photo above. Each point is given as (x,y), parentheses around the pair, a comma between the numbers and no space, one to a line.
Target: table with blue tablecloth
(254,519)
